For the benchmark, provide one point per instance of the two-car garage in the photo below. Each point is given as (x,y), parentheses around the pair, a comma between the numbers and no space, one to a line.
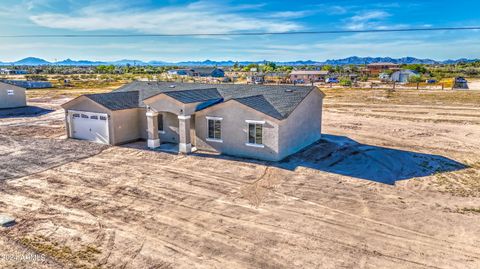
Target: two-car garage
(88,126)
(109,118)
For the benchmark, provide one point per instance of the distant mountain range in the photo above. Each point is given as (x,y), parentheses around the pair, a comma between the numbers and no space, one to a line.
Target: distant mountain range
(32,61)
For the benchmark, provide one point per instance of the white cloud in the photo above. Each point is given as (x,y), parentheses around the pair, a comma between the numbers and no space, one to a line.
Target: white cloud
(197,17)
(337,10)
(367,20)
(292,14)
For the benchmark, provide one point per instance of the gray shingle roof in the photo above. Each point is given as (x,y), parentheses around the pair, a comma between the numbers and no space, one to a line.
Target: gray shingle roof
(116,100)
(277,101)
(258,102)
(194,96)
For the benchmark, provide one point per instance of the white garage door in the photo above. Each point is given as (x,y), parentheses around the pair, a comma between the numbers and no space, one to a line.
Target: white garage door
(89,126)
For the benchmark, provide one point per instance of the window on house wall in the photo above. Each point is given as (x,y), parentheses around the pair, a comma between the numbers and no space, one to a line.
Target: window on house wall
(214,128)
(255,133)
(10,92)
(160,122)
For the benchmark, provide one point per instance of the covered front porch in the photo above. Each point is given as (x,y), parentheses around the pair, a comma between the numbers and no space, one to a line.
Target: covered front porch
(179,108)
(184,132)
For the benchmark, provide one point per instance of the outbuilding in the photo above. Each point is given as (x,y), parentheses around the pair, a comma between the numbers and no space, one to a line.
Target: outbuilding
(12,96)
(403,76)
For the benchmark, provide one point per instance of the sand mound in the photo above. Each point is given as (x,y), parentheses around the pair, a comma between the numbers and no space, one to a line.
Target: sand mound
(341,155)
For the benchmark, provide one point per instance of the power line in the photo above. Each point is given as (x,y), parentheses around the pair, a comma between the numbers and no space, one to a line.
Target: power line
(324,32)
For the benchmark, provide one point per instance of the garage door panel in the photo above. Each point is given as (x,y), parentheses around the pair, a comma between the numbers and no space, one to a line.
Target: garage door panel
(89,126)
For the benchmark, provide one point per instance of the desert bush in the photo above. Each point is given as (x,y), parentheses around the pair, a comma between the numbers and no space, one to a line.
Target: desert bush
(415,79)
(36,77)
(346,82)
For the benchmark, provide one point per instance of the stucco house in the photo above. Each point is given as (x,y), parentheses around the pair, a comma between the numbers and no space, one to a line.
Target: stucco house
(198,72)
(208,72)
(12,96)
(254,121)
(308,76)
(180,72)
(377,68)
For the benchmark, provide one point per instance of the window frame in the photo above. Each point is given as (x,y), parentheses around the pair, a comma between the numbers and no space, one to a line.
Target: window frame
(214,139)
(255,124)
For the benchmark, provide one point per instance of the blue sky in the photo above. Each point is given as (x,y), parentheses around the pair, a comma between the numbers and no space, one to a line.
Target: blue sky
(173,17)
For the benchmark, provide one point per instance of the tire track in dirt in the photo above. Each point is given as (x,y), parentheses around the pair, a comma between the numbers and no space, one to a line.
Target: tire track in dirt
(385,234)
(202,175)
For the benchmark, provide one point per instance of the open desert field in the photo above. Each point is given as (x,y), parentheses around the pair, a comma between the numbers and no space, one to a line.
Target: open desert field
(394,183)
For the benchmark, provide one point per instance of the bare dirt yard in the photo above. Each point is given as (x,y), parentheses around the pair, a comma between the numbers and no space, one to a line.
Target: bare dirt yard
(394,183)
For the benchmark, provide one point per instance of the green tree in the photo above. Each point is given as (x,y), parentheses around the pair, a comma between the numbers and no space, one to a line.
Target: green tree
(236,66)
(346,82)
(249,67)
(271,66)
(415,79)
(105,69)
(420,68)
(327,68)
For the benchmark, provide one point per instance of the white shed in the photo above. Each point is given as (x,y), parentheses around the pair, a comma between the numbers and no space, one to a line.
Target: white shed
(403,76)
(12,96)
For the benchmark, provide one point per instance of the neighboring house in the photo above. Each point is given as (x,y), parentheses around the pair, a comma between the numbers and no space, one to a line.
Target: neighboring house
(13,72)
(308,76)
(181,72)
(403,76)
(198,72)
(12,96)
(208,72)
(377,68)
(28,84)
(257,78)
(254,121)
(276,77)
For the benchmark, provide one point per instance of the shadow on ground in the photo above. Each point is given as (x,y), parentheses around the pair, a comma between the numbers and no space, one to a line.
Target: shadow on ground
(20,112)
(344,156)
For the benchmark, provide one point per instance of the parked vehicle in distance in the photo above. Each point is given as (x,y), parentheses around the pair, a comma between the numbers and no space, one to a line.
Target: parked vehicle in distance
(460,83)
(332,80)
(431,81)
(299,81)
(258,81)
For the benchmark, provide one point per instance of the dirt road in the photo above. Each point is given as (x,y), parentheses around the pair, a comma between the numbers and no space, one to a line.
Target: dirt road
(126,207)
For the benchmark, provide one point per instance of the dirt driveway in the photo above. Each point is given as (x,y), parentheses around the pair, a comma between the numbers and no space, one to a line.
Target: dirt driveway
(125,207)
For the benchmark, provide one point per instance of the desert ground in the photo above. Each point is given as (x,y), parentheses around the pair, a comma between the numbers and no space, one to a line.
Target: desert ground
(394,183)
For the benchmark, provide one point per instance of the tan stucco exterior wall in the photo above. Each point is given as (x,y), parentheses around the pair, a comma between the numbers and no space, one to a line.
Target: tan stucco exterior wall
(12,101)
(125,125)
(304,125)
(142,123)
(235,131)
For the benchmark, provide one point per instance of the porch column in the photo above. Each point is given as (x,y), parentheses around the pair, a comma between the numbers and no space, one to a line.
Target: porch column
(152,125)
(185,145)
